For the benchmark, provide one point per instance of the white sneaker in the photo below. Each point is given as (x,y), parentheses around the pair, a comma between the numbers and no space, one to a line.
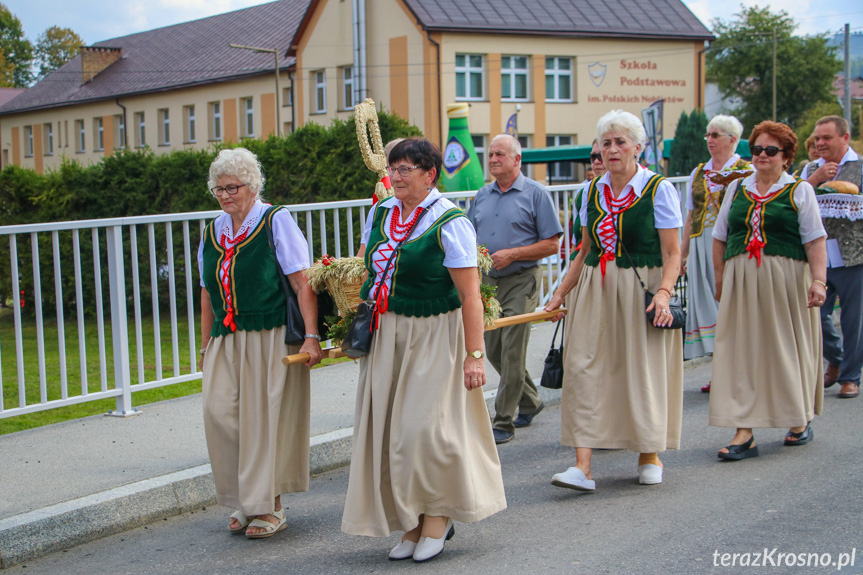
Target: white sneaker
(404,550)
(649,474)
(429,548)
(573,478)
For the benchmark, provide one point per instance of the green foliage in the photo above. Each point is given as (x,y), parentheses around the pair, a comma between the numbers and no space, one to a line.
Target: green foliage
(315,164)
(16,52)
(741,62)
(689,147)
(54,47)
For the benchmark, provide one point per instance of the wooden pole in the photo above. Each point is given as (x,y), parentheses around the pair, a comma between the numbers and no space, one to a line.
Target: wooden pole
(336,352)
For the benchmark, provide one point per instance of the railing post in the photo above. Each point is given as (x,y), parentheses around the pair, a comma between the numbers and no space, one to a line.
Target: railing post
(119,323)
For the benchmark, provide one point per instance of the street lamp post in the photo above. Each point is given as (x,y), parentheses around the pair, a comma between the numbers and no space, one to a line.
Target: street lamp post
(275,52)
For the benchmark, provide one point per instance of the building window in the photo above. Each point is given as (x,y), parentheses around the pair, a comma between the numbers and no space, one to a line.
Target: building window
(48,139)
(66,134)
(348,88)
(247,107)
(81,137)
(479,146)
(120,132)
(469,77)
(558,79)
(287,97)
(28,141)
(560,170)
(98,135)
(513,78)
(215,121)
(189,131)
(320,83)
(140,130)
(164,127)
(525,144)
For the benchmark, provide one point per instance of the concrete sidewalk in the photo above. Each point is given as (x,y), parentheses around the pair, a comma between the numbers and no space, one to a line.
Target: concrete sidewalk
(70,483)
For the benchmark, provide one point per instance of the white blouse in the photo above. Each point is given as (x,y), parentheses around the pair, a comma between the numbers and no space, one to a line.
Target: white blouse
(292,250)
(810,226)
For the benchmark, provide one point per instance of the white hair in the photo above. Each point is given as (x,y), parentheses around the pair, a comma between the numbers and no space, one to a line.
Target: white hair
(727,124)
(617,121)
(241,164)
(514,145)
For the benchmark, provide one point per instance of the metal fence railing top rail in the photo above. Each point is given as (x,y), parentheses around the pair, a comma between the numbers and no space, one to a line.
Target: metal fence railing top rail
(104,308)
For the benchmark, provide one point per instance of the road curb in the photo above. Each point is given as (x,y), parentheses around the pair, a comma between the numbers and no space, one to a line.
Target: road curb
(57,527)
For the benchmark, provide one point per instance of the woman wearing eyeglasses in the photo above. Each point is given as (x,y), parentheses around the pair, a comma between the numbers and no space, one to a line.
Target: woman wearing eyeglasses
(703,198)
(770,260)
(423,451)
(256,410)
(623,378)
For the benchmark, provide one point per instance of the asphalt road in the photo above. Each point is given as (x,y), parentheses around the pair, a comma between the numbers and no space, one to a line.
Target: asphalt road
(791,500)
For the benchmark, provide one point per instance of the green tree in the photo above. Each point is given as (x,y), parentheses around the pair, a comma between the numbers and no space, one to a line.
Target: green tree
(741,62)
(16,52)
(54,47)
(689,148)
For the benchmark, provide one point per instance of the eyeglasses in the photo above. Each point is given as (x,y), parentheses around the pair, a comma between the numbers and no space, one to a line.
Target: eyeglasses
(404,171)
(769,150)
(715,135)
(595,157)
(232,190)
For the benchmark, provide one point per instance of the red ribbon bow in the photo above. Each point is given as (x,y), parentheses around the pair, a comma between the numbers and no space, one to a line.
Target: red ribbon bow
(754,249)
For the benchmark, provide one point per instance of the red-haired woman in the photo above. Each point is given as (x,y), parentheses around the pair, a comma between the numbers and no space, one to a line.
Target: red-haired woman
(770,259)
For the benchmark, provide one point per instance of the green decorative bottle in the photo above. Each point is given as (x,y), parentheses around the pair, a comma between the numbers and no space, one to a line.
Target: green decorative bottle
(462,170)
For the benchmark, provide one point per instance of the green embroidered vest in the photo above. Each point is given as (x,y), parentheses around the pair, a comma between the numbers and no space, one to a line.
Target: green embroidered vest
(421,285)
(636,226)
(257,295)
(779,224)
(576,223)
(705,206)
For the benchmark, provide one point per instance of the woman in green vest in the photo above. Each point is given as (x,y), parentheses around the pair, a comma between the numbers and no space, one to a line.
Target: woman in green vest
(423,450)
(256,410)
(706,189)
(623,378)
(770,257)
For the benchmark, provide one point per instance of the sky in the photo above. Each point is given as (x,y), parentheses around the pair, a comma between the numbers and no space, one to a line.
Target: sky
(123,17)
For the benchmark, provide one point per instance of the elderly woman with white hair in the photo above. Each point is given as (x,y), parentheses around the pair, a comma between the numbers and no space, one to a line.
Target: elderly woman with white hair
(623,379)
(704,195)
(256,410)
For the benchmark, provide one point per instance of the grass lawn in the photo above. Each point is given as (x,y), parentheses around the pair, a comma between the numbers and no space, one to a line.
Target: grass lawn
(9,370)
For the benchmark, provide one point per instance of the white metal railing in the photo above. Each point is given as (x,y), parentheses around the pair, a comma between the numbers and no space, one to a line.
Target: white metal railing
(140,254)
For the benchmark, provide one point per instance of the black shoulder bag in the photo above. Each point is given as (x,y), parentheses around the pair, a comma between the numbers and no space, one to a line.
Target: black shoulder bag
(552,373)
(295,325)
(678,314)
(358,341)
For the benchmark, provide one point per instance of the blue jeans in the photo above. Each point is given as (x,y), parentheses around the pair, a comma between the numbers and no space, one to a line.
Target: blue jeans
(847,283)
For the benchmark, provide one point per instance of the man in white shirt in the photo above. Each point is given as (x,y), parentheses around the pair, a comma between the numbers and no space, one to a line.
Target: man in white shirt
(845,265)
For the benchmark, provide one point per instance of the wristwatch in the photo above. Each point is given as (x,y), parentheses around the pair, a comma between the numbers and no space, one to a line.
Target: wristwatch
(478,354)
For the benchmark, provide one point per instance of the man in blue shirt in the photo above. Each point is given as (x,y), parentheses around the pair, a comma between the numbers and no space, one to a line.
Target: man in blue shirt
(516,219)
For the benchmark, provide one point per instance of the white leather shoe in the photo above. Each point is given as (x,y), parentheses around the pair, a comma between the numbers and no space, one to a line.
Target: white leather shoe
(649,474)
(404,550)
(429,548)
(573,478)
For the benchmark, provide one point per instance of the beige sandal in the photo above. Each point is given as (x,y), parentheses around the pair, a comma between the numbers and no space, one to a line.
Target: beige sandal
(244,522)
(270,529)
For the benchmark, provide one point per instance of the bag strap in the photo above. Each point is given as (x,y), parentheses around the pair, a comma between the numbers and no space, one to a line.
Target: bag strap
(554,337)
(626,253)
(268,215)
(399,246)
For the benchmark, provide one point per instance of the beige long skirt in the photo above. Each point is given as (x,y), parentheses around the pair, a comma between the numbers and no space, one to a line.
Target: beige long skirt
(767,358)
(422,442)
(256,419)
(622,377)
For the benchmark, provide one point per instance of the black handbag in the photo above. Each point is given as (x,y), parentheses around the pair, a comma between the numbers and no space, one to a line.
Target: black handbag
(552,373)
(295,325)
(675,306)
(358,341)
